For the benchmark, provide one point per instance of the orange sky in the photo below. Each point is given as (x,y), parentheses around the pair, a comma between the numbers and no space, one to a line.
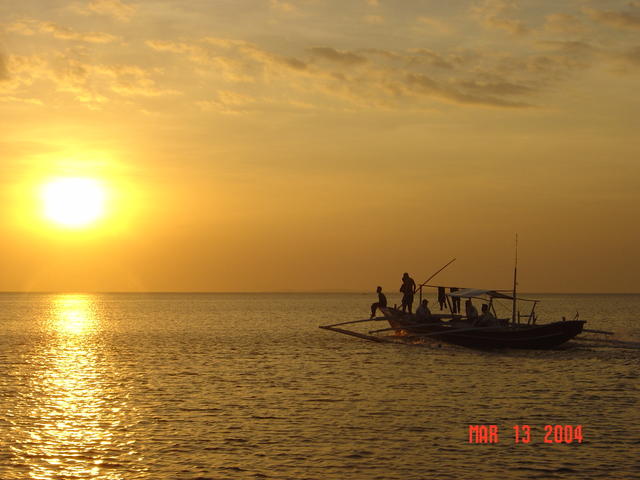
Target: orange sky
(257,145)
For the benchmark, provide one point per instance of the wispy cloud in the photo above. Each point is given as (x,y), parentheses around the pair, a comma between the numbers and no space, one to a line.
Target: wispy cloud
(336,56)
(374,19)
(435,25)
(229,102)
(32,27)
(4,72)
(498,15)
(633,56)
(423,56)
(244,74)
(282,6)
(360,77)
(620,20)
(564,23)
(72,73)
(469,92)
(112,8)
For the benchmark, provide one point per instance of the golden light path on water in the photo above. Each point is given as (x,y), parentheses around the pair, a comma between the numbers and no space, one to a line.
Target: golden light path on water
(74,419)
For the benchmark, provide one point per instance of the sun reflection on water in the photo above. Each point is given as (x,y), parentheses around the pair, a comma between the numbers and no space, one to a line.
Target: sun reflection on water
(73,419)
(73,315)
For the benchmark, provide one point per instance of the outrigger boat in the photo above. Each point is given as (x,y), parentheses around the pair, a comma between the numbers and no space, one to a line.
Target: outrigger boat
(521,331)
(487,332)
(499,333)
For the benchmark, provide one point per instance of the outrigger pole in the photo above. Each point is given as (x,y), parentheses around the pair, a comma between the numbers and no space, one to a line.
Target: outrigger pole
(515,284)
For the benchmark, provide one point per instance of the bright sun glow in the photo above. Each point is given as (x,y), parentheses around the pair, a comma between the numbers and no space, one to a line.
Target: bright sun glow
(73,202)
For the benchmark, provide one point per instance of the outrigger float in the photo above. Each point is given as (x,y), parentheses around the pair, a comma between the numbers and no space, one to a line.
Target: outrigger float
(519,331)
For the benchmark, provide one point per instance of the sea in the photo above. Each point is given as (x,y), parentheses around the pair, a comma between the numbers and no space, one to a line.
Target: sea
(246,386)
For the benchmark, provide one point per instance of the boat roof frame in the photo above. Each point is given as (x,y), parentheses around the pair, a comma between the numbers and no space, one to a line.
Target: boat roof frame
(480,293)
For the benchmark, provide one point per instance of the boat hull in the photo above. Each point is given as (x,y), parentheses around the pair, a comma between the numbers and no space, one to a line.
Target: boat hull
(542,336)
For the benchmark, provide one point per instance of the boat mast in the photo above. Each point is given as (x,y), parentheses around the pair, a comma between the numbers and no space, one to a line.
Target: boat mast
(515,284)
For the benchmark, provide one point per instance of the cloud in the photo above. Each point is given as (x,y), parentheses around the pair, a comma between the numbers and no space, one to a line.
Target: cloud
(14,99)
(207,55)
(229,102)
(32,26)
(131,80)
(633,56)
(622,20)
(374,19)
(435,25)
(4,71)
(234,60)
(469,92)
(564,23)
(626,61)
(374,78)
(282,6)
(496,15)
(112,8)
(23,27)
(336,56)
(571,47)
(71,73)
(502,88)
(66,33)
(424,56)
(514,27)
(168,46)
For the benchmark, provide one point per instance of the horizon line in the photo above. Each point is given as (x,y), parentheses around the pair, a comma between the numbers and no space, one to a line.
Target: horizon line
(192,292)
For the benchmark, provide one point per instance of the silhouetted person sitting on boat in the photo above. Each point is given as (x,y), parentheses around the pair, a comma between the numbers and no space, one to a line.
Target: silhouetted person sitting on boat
(486,317)
(382,302)
(423,314)
(408,288)
(470,310)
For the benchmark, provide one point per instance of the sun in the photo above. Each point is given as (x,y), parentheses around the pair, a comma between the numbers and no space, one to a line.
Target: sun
(74,202)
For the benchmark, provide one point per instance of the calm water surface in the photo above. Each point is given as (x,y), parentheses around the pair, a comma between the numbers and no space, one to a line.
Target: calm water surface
(226,386)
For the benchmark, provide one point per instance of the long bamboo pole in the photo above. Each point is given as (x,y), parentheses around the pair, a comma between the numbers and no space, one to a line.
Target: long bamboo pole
(358,335)
(376,319)
(427,280)
(431,334)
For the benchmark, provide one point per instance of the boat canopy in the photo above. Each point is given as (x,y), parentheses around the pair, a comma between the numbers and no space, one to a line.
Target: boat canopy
(480,293)
(477,292)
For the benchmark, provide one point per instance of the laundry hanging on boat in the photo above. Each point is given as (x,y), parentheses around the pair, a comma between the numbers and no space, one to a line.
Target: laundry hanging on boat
(442,298)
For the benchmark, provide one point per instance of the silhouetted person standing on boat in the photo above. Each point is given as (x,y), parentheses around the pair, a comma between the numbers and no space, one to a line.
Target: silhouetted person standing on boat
(408,288)
(382,302)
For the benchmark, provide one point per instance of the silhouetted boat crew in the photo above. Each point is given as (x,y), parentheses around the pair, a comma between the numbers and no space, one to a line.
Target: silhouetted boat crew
(470,310)
(486,318)
(382,302)
(408,289)
(423,314)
